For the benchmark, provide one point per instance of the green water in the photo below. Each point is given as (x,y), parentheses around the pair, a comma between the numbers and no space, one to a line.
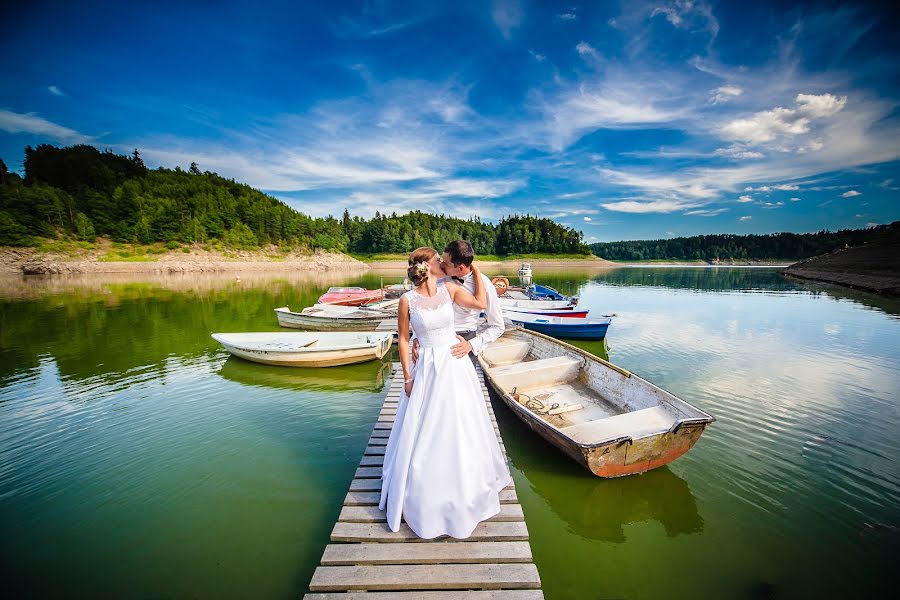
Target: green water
(138,461)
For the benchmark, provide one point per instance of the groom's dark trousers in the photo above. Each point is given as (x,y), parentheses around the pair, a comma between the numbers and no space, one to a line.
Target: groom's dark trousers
(468,335)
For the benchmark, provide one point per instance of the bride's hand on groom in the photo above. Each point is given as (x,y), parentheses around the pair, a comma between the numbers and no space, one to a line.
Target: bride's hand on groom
(462,348)
(415,350)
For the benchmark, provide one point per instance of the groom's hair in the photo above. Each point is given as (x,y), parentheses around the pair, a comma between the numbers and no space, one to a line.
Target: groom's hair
(461,253)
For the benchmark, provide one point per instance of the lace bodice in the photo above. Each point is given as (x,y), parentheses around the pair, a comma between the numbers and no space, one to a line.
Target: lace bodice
(431,317)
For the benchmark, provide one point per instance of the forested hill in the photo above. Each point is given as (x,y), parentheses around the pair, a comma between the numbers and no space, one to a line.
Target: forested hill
(731,246)
(82,192)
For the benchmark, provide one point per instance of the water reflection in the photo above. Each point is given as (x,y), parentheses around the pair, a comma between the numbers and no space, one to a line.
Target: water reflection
(367,377)
(600,509)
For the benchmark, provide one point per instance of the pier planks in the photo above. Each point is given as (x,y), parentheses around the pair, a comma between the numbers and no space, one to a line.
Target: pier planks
(367,561)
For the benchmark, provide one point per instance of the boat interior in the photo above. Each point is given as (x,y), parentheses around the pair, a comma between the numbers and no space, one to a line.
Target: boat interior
(587,401)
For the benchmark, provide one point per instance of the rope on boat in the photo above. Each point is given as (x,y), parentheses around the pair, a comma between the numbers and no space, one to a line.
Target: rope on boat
(535,404)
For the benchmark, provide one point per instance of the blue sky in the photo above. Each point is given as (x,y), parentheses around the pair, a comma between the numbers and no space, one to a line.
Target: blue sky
(624,120)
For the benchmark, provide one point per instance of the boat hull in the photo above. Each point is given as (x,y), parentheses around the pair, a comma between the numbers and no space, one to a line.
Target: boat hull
(616,458)
(573,329)
(325,357)
(296,320)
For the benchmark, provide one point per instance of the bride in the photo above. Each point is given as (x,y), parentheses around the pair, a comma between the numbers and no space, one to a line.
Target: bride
(443,468)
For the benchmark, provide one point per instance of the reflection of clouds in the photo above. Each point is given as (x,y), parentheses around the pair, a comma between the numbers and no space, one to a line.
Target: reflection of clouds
(776,370)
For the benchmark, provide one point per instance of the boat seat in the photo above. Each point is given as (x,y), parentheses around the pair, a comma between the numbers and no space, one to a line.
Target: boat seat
(506,351)
(638,423)
(545,372)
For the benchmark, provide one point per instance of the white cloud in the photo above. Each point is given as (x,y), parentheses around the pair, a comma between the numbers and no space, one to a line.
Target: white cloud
(739,152)
(670,233)
(769,125)
(13,122)
(567,16)
(706,212)
(819,107)
(850,194)
(55,90)
(653,206)
(784,187)
(795,199)
(724,94)
(745,198)
(772,204)
(507,15)
(586,50)
(689,14)
(745,218)
(538,56)
(588,219)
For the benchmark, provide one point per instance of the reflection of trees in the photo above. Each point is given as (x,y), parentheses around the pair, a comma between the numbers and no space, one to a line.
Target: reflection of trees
(699,278)
(107,330)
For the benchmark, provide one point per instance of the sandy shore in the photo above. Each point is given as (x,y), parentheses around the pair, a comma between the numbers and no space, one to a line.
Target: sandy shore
(513,265)
(29,261)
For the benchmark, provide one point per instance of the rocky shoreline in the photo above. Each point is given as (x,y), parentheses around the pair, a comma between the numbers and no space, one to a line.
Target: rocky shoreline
(28,261)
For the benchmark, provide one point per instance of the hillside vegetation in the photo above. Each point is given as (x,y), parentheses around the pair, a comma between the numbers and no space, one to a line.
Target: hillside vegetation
(81,193)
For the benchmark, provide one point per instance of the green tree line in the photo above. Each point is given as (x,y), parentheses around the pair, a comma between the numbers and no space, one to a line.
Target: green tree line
(732,246)
(82,192)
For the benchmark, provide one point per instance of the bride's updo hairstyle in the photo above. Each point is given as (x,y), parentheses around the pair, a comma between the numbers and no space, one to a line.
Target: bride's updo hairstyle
(418,264)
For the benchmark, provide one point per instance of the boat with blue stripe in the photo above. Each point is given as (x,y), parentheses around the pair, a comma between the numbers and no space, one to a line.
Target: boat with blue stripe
(573,329)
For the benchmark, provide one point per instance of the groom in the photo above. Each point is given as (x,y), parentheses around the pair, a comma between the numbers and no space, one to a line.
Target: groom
(456,263)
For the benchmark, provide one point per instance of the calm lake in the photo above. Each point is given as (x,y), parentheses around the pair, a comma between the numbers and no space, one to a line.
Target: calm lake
(137,460)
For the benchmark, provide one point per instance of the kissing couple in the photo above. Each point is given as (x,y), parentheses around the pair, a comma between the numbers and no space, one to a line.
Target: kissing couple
(443,467)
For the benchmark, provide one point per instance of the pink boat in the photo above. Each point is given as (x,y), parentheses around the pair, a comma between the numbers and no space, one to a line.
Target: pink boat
(350,296)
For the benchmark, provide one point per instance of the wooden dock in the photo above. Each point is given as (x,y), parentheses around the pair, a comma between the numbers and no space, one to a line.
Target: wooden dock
(367,561)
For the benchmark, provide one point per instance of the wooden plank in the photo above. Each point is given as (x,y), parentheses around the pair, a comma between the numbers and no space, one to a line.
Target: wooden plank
(380,433)
(379,532)
(454,595)
(372,498)
(371,514)
(425,577)
(378,441)
(375,450)
(423,554)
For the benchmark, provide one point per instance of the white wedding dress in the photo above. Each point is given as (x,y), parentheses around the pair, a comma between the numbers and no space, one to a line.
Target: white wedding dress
(443,468)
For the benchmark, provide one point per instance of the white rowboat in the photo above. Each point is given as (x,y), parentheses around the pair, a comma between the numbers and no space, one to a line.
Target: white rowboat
(314,349)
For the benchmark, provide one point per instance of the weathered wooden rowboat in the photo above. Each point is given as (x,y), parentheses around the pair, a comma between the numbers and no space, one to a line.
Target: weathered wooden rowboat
(577,329)
(516,304)
(317,349)
(323,317)
(604,417)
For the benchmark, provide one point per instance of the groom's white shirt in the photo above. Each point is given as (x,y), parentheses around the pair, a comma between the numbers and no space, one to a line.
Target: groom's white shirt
(467,319)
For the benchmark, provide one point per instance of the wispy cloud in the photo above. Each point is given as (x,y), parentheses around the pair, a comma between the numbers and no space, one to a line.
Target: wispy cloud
(744,199)
(851,194)
(507,15)
(56,91)
(745,218)
(31,123)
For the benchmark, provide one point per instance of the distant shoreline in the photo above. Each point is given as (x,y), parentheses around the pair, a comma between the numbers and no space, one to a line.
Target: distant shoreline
(106,259)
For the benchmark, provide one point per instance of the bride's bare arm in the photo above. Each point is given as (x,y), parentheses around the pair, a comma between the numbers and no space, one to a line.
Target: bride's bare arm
(403,343)
(462,296)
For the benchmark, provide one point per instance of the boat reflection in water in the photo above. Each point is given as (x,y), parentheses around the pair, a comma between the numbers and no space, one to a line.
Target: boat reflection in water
(600,510)
(364,377)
